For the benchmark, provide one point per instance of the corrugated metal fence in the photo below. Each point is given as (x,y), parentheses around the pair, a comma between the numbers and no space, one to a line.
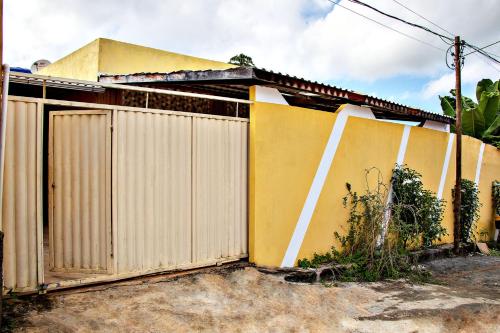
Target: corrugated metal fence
(177,191)
(181,190)
(20,213)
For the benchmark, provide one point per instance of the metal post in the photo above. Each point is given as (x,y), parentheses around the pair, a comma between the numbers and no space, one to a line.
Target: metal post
(458,129)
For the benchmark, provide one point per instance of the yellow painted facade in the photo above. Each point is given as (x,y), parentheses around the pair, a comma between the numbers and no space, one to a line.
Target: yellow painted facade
(286,146)
(106,56)
(490,169)
(82,64)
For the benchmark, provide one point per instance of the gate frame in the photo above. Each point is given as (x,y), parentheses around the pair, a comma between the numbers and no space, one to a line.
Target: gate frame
(108,193)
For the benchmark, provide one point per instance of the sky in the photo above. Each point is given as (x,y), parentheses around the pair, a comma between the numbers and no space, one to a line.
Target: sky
(314,39)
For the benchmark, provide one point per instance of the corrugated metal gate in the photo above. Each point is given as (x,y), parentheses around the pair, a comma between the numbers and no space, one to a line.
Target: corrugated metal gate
(136,191)
(181,190)
(80,191)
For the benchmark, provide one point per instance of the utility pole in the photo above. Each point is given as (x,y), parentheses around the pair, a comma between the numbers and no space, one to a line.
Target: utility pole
(1,120)
(458,165)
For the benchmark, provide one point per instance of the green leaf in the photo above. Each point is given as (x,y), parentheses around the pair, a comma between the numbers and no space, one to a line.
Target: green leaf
(468,103)
(448,105)
(493,130)
(473,123)
(484,85)
(489,106)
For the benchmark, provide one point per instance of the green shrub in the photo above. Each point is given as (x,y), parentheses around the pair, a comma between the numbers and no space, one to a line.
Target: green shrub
(495,189)
(469,210)
(419,210)
(316,261)
(375,245)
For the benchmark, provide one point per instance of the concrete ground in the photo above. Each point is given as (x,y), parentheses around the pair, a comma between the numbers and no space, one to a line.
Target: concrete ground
(246,300)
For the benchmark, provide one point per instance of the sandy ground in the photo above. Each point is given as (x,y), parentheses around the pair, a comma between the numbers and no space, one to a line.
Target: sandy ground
(246,300)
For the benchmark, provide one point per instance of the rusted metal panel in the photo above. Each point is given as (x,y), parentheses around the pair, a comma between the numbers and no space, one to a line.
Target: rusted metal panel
(219,188)
(153,190)
(20,213)
(79,191)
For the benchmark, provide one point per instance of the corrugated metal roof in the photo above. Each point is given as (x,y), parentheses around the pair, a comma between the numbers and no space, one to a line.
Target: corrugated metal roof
(245,76)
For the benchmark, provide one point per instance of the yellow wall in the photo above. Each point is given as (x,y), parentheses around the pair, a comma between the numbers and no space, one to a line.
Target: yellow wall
(114,57)
(489,172)
(81,64)
(286,146)
(124,58)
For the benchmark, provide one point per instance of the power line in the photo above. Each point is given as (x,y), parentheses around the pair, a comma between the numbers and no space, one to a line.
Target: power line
(443,29)
(421,16)
(487,62)
(386,26)
(480,51)
(484,48)
(477,49)
(401,20)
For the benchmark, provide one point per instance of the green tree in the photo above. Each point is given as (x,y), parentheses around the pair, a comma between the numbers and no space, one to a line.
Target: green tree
(482,119)
(242,60)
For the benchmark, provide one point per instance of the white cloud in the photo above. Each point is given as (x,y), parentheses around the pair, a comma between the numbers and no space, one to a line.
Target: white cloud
(300,37)
(472,72)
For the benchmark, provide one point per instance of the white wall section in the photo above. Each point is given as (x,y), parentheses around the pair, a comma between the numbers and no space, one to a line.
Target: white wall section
(269,95)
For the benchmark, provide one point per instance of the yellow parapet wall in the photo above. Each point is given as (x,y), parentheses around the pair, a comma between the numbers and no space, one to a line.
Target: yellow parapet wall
(107,56)
(288,146)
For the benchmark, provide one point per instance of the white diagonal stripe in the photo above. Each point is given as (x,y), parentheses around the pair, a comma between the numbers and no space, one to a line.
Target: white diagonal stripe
(401,156)
(446,163)
(479,162)
(399,161)
(317,185)
(403,145)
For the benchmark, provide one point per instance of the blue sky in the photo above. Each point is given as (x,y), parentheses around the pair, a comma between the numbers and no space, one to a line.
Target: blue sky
(307,38)
(403,89)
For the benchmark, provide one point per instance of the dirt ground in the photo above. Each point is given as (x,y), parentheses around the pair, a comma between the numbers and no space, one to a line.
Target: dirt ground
(242,299)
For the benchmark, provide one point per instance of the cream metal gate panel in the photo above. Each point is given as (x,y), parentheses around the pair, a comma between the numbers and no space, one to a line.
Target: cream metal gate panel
(153,190)
(21,210)
(219,188)
(79,190)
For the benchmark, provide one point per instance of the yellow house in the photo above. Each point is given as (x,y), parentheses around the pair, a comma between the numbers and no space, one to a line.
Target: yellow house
(107,56)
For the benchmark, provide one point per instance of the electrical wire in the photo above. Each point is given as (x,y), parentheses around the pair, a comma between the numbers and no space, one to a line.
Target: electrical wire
(337,3)
(480,51)
(487,62)
(443,29)
(482,48)
(401,20)
(423,17)
(475,48)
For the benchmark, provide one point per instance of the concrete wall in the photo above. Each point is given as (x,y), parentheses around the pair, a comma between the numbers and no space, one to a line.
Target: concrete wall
(294,210)
(82,64)
(114,57)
